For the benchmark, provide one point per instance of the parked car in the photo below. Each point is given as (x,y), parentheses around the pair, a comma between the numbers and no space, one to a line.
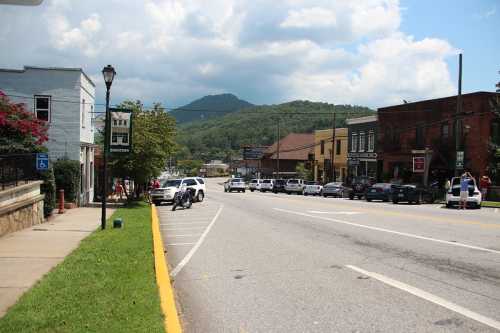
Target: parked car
(166,192)
(359,186)
(267,185)
(411,193)
(279,185)
(234,184)
(255,184)
(474,197)
(335,189)
(294,186)
(312,188)
(379,191)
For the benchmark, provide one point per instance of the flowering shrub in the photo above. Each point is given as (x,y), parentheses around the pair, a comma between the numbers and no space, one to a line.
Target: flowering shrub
(20,131)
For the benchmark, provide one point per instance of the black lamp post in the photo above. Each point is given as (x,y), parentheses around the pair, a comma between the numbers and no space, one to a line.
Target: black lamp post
(108,73)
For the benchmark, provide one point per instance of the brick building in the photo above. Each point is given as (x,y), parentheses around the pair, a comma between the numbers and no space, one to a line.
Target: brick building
(362,156)
(295,148)
(412,129)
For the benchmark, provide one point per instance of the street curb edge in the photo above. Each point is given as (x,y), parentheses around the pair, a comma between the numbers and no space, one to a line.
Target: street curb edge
(167,299)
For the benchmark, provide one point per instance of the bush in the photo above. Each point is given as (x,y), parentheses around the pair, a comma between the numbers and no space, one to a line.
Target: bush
(49,189)
(67,176)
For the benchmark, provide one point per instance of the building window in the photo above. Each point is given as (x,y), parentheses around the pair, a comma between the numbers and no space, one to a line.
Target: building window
(371,141)
(119,138)
(394,135)
(495,132)
(445,131)
(42,107)
(354,142)
(419,136)
(83,112)
(362,141)
(322,147)
(338,147)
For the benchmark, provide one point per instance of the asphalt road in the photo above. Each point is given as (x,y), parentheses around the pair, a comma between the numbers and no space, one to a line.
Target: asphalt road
(263,262)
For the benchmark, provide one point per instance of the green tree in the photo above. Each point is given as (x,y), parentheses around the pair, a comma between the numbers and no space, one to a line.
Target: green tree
(303,172)
(153,136)
(190,168)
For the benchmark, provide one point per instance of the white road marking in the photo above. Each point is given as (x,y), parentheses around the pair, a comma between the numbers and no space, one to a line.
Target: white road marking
(339,213)
(175,228)
(190,254)
(185,223)
(429,297)
(180,244)
(391,231)
(186,235)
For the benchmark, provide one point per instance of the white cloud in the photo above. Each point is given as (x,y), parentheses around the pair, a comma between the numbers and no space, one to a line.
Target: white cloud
(266,52)
(310,18)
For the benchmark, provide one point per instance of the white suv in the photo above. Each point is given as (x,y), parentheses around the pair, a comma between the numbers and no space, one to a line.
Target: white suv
(255,184)
(267,185)
(235,184)
(171,186)
(294,186)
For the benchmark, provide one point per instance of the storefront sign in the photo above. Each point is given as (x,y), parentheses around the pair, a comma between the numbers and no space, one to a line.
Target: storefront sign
(418,164)
(253,153)
(120,137)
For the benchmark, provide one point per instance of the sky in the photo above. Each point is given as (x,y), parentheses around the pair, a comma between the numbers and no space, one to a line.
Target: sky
(367,52)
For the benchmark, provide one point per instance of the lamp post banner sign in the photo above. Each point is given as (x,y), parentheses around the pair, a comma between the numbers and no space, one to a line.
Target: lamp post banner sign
(120,137)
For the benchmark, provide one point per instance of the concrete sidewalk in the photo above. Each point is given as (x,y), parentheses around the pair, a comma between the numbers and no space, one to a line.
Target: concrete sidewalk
(27,255)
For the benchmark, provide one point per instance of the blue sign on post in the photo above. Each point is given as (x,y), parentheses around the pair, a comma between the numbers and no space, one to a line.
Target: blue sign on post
(42,161)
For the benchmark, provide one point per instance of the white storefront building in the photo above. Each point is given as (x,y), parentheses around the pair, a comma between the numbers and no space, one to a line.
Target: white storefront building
(64,97)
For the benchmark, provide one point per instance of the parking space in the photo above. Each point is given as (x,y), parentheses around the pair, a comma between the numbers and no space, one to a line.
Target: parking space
(181,229)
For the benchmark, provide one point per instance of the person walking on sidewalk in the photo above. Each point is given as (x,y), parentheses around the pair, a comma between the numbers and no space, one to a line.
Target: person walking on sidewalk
(484,184)
(464,189)
(119,190)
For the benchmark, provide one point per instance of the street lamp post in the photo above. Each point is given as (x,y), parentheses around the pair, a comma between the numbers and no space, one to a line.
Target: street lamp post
(108,73)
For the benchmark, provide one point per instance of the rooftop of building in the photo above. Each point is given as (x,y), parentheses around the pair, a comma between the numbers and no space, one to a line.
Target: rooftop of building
(68,69)
(294,146)
(476,93)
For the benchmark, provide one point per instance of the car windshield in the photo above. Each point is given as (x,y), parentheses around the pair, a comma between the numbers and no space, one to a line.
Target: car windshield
(172,183)
(293,181)
(311,183)
(267,181)
(253,181)
(382,185)
(237,180)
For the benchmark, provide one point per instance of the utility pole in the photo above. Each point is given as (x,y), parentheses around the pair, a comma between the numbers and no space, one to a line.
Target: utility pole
(278,152)
(334,178)
(458,113)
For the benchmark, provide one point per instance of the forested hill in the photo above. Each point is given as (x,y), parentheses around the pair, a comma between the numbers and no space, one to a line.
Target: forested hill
(209,106)
(222,138)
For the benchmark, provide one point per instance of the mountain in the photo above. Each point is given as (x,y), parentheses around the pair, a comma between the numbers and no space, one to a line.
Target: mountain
(221,138)
(209,107)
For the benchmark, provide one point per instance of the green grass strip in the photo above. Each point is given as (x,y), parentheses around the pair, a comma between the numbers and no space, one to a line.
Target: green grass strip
(494,204)
(106,285)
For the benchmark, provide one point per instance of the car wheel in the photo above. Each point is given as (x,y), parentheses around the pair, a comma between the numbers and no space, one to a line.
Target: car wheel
(200,196)
(369,200)
(324,196)
(243,191)
(305,194)
(448,205)
(395,202)
(288,192)
(351,197)
(478,206)
(156,203)
(252,190)
(225,189)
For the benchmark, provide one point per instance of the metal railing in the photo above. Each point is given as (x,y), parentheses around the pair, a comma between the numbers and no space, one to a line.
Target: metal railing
(16,169)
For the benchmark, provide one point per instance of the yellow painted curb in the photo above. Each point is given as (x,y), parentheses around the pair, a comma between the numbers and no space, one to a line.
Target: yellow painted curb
(172,322)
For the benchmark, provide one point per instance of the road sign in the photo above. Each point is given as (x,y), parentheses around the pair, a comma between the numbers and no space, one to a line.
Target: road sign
(253,153)
(42,161)
(460,160)
(418,164)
